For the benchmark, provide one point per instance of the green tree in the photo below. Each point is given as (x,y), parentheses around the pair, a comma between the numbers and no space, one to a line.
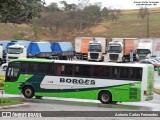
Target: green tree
(143,12)
(19,11)
(93,14)
(52,7)
(68,7)
(115,15)
(105,13)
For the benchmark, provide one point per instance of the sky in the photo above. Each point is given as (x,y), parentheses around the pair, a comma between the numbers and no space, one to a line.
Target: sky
(118,4)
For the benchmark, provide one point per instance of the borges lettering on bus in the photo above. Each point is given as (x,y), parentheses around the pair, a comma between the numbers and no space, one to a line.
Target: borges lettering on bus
(77,81)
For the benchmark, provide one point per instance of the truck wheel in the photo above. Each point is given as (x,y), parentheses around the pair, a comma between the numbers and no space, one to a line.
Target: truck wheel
(105,97)
(28,92)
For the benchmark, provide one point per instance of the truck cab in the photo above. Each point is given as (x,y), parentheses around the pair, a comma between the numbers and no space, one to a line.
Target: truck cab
(16,51)
(115,52)
(95,51)
(144,49)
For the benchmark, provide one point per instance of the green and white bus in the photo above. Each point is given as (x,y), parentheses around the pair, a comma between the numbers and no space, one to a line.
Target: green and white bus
(107,82)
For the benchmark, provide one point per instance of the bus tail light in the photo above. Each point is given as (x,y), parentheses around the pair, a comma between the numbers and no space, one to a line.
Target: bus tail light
(145,92)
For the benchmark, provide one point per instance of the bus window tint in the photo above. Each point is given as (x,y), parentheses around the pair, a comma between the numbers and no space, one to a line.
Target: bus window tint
(78,70)
(124,73)
(101,72)
(64,69)
(58,69)
(105,72)
(115,72)
(136,74)
(68,70)
(45,68)
(97,71)
(87,70)
(33,67)
(82,70)
(24,67)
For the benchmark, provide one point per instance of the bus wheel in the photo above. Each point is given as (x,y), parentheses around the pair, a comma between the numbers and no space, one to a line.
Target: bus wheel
(28,92)
(105,97)
(38,97)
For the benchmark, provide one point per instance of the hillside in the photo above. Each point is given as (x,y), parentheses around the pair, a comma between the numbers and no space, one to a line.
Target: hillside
(128,25)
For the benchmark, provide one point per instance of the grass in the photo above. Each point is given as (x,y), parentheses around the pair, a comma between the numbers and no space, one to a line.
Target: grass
(9,101)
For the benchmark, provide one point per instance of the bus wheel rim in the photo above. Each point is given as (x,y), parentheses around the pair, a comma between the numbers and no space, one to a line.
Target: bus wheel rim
(105,97)
(28,92)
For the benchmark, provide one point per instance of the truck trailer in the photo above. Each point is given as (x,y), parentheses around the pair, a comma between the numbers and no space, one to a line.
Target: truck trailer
(119,50)
(62,50)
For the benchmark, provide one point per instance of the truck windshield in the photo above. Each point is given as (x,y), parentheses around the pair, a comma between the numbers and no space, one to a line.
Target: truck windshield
(95,47)
(115,49)
(143,51)
(14,50)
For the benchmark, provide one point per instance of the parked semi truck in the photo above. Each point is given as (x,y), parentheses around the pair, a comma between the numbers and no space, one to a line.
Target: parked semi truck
(148,47)
(97,49)
(91,48)
(60,50)
(29,49)
(119,49)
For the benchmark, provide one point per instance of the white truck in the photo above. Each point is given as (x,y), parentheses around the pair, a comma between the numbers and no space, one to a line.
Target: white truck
(97,49)
(16,51)
(148,47)
(90,48)
(119,49)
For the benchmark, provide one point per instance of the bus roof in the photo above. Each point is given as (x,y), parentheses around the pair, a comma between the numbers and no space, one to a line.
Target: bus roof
(80,62)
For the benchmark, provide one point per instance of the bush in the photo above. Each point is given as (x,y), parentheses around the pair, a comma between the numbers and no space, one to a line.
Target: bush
(19,36)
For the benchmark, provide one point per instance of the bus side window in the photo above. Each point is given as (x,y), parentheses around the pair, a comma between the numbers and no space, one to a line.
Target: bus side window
(105,71)
(24,67)
(136,74)
(124,73)
(58,69)
(68,69)
(33,67)
(78,70)
(45,68)
(139,74)
(115,72)
(97,71)
(87,70)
